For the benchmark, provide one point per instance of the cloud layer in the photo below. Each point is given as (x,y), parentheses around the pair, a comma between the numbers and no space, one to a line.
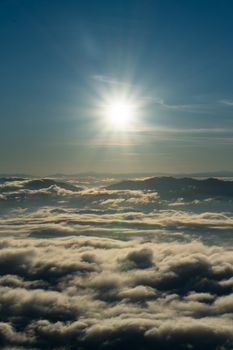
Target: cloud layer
(101,293)
(47,207)
(85,267)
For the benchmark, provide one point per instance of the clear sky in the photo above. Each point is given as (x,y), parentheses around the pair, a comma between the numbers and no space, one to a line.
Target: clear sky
(64,64)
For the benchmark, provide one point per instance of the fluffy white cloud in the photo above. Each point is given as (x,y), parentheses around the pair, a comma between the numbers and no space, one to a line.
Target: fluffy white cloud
(129,271)
(105,293)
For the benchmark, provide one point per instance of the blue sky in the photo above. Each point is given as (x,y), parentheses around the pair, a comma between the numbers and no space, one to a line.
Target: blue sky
(60,60)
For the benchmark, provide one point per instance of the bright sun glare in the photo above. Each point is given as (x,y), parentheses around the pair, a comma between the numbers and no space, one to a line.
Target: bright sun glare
(119,114)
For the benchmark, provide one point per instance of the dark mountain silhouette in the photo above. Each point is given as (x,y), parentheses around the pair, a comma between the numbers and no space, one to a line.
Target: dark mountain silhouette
(170,187)
(34,184)
(45,183)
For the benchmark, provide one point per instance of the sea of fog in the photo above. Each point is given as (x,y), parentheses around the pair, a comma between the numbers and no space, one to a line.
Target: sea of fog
(83,266)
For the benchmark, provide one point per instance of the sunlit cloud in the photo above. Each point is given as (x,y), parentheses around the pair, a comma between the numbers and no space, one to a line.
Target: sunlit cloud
(85,291)
(226,102)
(109,80)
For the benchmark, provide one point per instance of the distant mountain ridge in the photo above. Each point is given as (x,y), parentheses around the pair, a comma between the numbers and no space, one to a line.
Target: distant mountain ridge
(170,187)
(15,183)
(217,173)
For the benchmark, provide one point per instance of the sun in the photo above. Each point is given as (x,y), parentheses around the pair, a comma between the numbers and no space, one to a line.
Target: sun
(119,114)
